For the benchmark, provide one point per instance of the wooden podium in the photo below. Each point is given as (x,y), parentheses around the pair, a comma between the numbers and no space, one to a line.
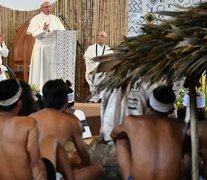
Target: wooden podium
(65,54)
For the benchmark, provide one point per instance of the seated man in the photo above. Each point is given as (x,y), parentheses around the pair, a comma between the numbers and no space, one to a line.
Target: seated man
(19,149)
(78,113)
(53,121)
(151,146)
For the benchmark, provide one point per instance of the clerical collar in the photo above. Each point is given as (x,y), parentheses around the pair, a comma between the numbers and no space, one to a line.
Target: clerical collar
(45,15)
(102,51)
(46,18)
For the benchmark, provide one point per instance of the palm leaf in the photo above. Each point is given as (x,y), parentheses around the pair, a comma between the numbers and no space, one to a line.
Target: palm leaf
(174,49)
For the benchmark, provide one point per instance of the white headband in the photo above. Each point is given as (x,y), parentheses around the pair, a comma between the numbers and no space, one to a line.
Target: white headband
(11,100)
(71,97)
(200,101)
(159,106)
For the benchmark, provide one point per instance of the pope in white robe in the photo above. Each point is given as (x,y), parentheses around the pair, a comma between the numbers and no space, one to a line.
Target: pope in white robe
(43,60)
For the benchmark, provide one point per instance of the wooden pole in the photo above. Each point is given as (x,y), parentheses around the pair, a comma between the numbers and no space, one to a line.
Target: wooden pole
(194,130)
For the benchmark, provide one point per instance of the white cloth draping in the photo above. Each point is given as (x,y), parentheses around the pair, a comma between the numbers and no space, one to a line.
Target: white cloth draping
(4,51)
(91,52)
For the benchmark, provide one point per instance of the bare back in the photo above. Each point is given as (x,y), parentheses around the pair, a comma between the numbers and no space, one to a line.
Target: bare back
(19,153)
(62,126)
(156,147)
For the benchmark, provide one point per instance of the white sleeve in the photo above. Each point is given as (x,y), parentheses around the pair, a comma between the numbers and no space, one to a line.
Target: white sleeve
(35,30)
(87,57)
(60,25)
(4,50)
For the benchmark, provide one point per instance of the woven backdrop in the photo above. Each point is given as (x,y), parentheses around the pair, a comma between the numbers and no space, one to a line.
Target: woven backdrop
(86,16)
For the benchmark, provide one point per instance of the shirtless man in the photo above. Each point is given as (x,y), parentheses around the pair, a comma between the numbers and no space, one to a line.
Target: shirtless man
(19,149)
(151,146)
(63,126)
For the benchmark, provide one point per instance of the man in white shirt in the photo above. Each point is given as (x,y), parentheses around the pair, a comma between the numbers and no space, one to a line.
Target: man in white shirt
(43,60)
(98,49)
(3,53)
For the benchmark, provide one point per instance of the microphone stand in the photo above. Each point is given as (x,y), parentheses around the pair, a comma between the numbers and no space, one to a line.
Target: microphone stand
(64,21)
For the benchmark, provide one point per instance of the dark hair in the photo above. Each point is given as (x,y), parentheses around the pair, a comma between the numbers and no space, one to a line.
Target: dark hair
(29,105)
(8,89)
(164,94)
(39,100)
(55,94)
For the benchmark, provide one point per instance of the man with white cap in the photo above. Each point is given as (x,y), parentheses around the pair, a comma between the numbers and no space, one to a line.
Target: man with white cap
(151,146)
(43,60)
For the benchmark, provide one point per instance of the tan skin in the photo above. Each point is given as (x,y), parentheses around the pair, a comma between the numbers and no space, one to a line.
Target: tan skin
(19,148)
(150,147)
(64,127)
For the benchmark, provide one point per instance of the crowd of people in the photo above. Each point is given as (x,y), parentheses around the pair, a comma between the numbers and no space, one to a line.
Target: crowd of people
(40,134)
(149,146)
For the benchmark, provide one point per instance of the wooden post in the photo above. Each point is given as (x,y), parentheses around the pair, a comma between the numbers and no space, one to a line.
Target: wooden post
(194,130)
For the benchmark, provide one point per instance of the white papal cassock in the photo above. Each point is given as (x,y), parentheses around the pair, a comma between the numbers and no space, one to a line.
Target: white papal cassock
(43,59)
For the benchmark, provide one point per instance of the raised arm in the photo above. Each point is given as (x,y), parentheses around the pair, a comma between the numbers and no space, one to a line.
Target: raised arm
(37,30)
(79,143)
(118,133)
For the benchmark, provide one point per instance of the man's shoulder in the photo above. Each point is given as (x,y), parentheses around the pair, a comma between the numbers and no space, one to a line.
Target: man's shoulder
(36,16)
(25,119)
(21,122)
(53,18)
(92,46)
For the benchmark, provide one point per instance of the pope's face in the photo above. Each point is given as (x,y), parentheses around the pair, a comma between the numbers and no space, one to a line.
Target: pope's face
(46,8)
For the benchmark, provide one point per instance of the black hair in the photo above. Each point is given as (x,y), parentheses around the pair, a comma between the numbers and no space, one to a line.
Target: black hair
(164,94)
(55,94)
(29,105)
(8,88)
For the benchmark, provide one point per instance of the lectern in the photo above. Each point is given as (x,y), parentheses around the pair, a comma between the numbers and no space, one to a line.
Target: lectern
(65,54)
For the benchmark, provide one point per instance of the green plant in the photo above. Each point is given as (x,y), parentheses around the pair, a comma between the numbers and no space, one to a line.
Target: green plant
(179,99)
(35,89)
